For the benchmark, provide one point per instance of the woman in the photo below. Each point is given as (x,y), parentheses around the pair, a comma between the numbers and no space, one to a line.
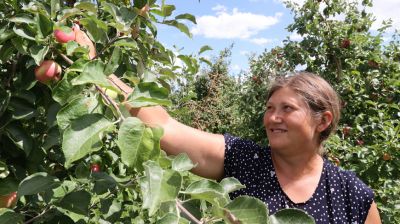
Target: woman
(302,111)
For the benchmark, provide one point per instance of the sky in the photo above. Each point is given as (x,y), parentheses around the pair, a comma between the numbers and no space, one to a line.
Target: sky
(251,25)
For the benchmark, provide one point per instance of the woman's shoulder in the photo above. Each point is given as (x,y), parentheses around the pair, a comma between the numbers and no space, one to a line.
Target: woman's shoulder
(348,179)
(353,188)
(240,144)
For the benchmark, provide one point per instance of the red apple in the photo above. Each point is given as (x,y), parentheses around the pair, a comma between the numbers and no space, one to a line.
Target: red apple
(64,37)
(359,142)
(95,168)
(345,43)
(8,200)
(48,70)
(387,156)
(346,131)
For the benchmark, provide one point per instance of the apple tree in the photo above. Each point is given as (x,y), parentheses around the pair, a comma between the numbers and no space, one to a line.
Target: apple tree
(70,152)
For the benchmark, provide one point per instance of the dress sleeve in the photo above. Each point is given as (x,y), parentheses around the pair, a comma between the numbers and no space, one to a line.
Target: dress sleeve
(361,196)
(241,156)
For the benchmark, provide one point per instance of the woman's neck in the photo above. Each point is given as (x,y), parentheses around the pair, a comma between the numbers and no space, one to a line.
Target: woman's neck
(296,166)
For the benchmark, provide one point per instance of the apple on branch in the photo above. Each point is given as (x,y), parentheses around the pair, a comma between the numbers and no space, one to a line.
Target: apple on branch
(48,71)
(8,200)
(64,35)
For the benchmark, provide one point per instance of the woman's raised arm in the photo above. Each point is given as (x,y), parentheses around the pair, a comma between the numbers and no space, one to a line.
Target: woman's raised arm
(205,149)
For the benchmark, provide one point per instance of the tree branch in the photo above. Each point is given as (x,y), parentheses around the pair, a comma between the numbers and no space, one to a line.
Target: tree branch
(186,212)
(98,88)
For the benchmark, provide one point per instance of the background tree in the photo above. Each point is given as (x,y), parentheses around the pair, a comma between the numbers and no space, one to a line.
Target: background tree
(338,44)
(69,151)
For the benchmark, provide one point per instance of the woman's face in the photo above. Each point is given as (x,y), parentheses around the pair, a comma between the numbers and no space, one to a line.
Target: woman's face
(289,123)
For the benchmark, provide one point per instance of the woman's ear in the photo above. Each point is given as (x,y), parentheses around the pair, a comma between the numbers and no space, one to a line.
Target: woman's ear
(326,120)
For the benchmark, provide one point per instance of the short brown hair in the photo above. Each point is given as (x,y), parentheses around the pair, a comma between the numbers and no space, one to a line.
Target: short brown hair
(316,92)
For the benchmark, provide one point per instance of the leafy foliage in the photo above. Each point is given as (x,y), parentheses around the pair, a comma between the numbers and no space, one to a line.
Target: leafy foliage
(68,148)
(338,44)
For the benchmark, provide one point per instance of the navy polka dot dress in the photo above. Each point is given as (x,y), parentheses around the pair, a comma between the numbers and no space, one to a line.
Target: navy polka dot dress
(340,196)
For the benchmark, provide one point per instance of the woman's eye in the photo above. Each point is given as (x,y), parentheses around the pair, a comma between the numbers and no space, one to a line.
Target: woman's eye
(287,108)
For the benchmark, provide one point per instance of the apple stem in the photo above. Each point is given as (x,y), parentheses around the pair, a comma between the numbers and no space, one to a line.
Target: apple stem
(103,94)
(69,61)
(190,216)
(110,101)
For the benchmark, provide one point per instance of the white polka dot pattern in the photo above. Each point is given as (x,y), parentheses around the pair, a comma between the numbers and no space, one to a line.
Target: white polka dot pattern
(339,198)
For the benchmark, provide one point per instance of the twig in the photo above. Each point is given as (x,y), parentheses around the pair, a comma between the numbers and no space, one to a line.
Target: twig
(103,94)
(69,61)
(186,212)
(107,46)
(38,216)
(110,101)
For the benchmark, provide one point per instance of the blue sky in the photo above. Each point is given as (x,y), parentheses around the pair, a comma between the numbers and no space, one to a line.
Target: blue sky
(251,25)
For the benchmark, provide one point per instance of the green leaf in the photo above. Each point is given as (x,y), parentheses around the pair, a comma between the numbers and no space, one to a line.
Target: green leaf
(159,186)
(22,19)
(205,48)
(54,8)
(167,10)
(66,13)
(129,43)
(75,109)
(5,97)
(5,34)
(291,216)
(231,184)
(182,27)
(138,143)
(93,73)
(114,62)
(202,59)
(77,202)
(8,185)
(3,170)
(21,45)
(8,216)
(24,32)
(18,135)
(122,16)
(87,6)
(168,218)
(37,183)
(96,29)
(149,94)
(187,16)
(44,25)
(207,190)
(64,91)
(246,210)
(38,52)
(84,137)
(182,163)
(59,192)
(21,109)
(6,52)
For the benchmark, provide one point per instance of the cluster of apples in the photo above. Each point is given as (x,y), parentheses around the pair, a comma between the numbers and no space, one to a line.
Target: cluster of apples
(50,70)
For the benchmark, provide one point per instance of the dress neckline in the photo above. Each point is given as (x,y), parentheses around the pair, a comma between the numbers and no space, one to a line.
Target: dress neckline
(287,199)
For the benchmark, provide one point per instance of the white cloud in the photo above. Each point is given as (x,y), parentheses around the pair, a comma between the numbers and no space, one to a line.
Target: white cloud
(226,25)
(219,8)
(261,41)
(385,9)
